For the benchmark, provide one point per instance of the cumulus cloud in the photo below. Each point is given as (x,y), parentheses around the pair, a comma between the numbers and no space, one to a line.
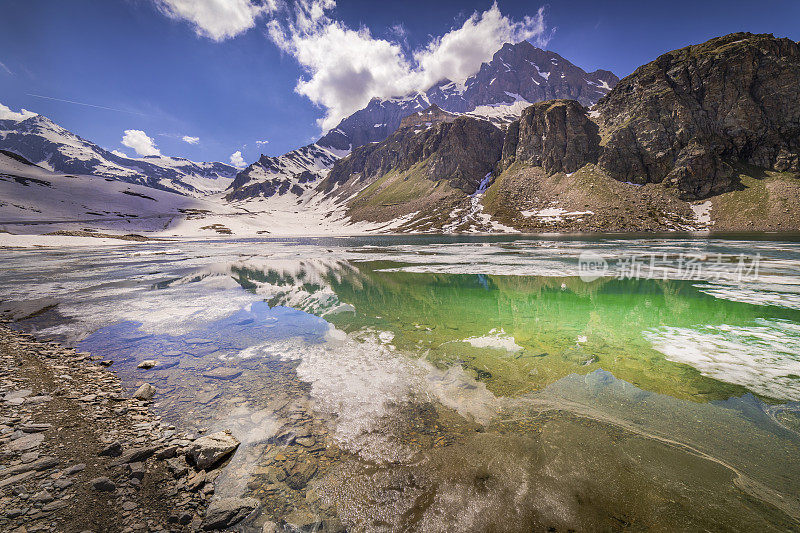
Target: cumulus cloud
(191,140)
(262,142)
(119,154)
(217,19)
(345,68)
(140,142)
(237,160)
(7,114)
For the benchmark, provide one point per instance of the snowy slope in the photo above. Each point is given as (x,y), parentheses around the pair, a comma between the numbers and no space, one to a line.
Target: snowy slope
(35,201)
(292,175)
(44,142)
(29,193)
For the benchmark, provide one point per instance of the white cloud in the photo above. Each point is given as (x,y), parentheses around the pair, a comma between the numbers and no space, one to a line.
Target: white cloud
(459,53)
(7,114)
(346,68)
(191,140)
(237,160)
(119,154)
(140,142)
(262,142)
(217,19)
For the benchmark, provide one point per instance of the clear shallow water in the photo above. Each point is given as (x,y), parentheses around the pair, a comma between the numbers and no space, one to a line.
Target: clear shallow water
(432,385)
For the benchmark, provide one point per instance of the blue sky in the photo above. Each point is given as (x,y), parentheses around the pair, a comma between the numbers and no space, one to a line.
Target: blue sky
(165,68)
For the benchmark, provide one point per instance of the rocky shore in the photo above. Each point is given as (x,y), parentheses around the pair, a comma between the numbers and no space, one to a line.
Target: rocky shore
(77,454)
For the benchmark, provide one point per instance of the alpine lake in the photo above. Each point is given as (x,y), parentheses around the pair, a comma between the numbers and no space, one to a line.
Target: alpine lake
(476,383)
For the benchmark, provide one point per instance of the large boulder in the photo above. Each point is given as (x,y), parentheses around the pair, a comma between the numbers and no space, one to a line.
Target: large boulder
(206,452)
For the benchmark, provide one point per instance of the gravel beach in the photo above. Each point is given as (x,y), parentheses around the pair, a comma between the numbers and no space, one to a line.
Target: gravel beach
(77,454)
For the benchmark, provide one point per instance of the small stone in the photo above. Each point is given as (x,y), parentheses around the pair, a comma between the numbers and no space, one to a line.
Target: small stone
(112,450)
(74,469)
(38,399)
(103,484)
(29,457)
(145,392)
(196,481)
(43,497)
(302,520)
(163,365)
(27,442)
(52,506)
(136,471)
(129,506)
(35,428)
(136,455)
(177,466)
(107,363)
(17,394)
(167,453)
(62,484)
(147,364)
(88,398)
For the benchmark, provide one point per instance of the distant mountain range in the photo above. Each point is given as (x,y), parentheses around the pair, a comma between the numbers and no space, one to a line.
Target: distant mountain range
(517,75)
(705,137)
(45,143)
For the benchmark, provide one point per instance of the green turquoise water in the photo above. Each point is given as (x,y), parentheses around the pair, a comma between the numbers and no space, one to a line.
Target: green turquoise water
(474,384)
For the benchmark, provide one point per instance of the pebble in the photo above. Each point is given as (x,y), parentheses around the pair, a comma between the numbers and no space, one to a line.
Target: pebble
(103,484)
(112,450)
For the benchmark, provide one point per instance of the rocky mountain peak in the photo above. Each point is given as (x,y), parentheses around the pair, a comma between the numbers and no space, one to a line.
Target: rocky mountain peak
(516,73)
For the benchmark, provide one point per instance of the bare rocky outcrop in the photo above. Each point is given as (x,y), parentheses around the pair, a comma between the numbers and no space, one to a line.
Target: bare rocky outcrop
(556,135)
(461,152)
(688,117)
(686,120)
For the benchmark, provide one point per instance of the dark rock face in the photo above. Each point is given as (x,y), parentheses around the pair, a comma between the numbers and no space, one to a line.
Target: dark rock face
(462,152)
(515,71)
(686,117)
(373,123)
(427,117)
(556,135)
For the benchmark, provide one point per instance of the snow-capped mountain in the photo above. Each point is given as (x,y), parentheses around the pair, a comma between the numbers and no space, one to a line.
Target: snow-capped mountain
(50,146)
(517,76)
(293,174)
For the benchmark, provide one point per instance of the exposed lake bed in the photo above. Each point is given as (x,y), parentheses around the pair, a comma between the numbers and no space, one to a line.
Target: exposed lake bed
(479,384)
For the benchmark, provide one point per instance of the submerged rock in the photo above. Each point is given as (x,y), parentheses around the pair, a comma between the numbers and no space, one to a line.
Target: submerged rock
(226,512)
(223,373)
